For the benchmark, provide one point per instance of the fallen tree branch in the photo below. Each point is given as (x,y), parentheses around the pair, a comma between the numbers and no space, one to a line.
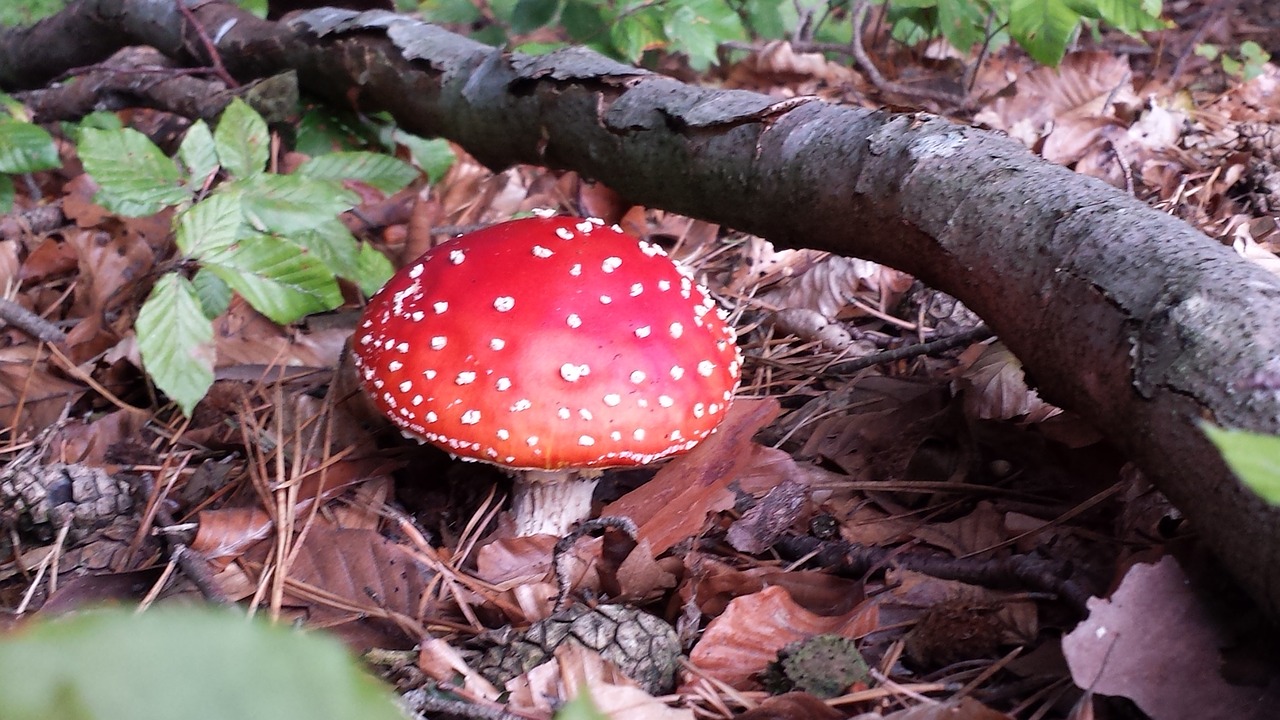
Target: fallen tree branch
(1128,317)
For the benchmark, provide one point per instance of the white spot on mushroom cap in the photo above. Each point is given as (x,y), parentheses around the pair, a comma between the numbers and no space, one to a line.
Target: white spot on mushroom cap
(406,386)
(542,252)
(605,299)
(416,271)
(576,270)
(563,413)
(503,384)
(573,321)
(637,376)
(440,306)
(504,303)
(706,367)
(643,331)
(470,417)
(572,373)
(666,401)
(497,344)
(611,263)
(465,377)
(521,406)
(457,256)
(676,330)
(564,233)
(395,365)
(586,441)
(613,399)
(585,226)
(677,372)
(438,342)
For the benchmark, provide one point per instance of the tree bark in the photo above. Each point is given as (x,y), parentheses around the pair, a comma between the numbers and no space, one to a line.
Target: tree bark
(1124,315)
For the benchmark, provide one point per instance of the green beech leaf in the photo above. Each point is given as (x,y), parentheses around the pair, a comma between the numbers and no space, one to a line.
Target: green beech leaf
(211,224)
(375,269)
(136,178)
(635,33)
(198,154)
(176,342)
(1043,28)
(242,139)
(26,148)
(529,15)
(214,295)
(1131,16)
(333,244)
(376,170)
(6,193)
(1253,457)
(276,277)
(434,156)
(288,204)
(188,662)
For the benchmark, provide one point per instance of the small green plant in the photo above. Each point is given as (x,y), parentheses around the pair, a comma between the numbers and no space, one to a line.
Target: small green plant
(1253,457)
(276,240)
(625,29)
(187,662)
(24,148)
(1247,66)
(25,12)
(1044,28)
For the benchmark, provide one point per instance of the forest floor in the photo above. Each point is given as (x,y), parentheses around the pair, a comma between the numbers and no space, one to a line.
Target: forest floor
(906,529)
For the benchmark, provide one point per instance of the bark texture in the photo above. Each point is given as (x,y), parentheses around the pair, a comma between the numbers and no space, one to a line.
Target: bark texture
(1128,317)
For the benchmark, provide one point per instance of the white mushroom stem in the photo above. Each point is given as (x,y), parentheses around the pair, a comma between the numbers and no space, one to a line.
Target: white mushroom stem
(549,502)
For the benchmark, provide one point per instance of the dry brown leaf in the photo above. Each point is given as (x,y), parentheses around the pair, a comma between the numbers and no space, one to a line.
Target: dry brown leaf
(979,530)
(995,387)
(742,641)
(711,584)
(225,532)
(792,706)
(1084,85)
(826,286)
(966,708)
(674,505)
(243,337)
(1157,643)
(442,663)
(31,398)
(356,573)
(614,694)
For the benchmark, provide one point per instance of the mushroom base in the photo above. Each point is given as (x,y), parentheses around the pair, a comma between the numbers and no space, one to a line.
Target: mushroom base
(549,502)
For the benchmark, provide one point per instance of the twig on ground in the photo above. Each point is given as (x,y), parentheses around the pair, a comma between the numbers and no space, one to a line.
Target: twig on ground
(856,560)
(30,323)
(943,344)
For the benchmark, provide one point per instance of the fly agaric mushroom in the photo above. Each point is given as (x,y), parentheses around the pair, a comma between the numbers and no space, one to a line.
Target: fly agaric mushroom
(552,347)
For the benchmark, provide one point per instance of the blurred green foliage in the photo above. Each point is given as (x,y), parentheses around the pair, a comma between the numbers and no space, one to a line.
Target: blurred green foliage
(25,12)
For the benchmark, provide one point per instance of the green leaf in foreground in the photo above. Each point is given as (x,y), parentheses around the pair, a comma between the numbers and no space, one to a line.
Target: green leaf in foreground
(288,204)
(6,193)
(198,154)
(1254,457)
(181,662)
(581,707)
(26,148)
(210,225)
(276,277)
(242,139)
(135,176)
(435,156)
(382,172)
(176,342)
(375,269)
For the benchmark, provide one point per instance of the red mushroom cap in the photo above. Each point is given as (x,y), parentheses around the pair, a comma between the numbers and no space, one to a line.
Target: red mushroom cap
(549,343)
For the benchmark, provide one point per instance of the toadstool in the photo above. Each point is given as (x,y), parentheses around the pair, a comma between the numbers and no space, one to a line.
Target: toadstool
(553,347)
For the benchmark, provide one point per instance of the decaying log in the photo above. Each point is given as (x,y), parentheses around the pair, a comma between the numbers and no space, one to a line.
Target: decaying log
(1130,318)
